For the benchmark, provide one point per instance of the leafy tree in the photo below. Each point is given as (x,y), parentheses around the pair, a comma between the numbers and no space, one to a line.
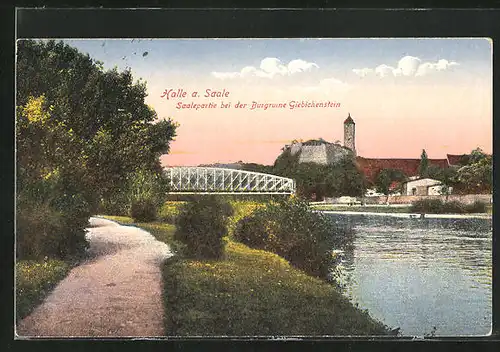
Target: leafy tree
(473,175)
(477,175)
(286,163)
(476,156)
(80,133)
(52,211)
(314,180)
(353,181)
(447,176)
(343,178)
(424,164)
(114,130)
(266,169)
(385,178)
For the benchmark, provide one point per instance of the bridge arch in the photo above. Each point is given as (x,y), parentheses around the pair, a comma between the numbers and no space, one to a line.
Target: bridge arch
(192,179)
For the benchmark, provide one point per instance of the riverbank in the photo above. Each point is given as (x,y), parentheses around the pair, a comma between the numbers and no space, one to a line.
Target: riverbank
(392,210)
(398,208)
(410,215)
(251,293)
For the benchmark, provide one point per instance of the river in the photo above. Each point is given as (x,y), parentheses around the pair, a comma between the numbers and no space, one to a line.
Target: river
(425,276)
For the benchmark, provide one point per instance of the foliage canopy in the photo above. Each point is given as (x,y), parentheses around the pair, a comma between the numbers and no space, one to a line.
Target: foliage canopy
(319,181)
(81,132)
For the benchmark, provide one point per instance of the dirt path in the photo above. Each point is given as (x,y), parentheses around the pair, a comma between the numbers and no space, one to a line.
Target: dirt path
(116,293)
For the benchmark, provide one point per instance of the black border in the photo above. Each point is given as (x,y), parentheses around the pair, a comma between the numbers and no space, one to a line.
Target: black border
(235,23)
(226,23)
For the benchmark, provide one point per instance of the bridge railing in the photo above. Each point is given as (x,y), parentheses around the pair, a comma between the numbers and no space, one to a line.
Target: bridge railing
(217,180)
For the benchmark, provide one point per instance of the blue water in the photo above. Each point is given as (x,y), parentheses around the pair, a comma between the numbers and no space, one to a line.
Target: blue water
(423,276)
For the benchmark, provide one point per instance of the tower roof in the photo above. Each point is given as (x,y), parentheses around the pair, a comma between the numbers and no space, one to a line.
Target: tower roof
(349,120)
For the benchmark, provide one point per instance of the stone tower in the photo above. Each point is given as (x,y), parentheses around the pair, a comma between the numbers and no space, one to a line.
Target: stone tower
(349,134)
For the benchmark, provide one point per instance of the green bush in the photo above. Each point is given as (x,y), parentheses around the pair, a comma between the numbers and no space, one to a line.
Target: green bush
(143,210)
(427,206)
(37,231)
(76,220)
(139,185)
(51,219)
(437,206)
(291,230)
(454,207)
(118,204)
(201,225)
(53,203)
(477,207)
(251,231)
(242,208)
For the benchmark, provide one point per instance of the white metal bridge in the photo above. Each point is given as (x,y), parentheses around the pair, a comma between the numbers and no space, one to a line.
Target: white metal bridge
(191,179)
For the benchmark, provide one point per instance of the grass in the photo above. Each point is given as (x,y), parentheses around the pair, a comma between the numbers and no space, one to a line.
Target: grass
(35,280)
(250,293)
(255,293)
(125,220)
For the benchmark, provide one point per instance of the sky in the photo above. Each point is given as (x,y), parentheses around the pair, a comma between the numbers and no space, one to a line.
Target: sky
(404,95)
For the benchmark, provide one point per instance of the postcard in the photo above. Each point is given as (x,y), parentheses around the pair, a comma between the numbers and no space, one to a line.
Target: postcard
(274,188)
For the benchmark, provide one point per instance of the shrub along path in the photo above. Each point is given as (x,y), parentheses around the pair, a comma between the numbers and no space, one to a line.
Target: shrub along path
(118,292)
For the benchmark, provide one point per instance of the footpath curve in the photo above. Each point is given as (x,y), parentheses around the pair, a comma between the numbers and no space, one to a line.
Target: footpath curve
(117,292)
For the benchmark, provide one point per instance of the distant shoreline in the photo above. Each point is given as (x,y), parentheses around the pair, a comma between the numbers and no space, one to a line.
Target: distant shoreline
(410,215)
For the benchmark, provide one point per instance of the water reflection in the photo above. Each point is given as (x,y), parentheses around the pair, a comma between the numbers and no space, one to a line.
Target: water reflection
(420,273)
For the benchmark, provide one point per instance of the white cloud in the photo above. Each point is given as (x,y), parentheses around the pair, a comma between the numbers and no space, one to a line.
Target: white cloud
(248,71)
(362,72)
(429,67)
(409,66)
(299,65)
(384,70)
(269,68)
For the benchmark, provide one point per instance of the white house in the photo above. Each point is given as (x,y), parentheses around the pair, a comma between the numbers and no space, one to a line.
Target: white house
(423,187)
(438,189)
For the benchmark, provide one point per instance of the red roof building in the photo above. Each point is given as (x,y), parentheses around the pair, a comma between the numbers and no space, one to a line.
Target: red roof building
(454,159)
(371,167)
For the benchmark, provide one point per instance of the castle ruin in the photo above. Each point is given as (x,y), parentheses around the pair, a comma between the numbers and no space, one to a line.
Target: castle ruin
(322,152)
